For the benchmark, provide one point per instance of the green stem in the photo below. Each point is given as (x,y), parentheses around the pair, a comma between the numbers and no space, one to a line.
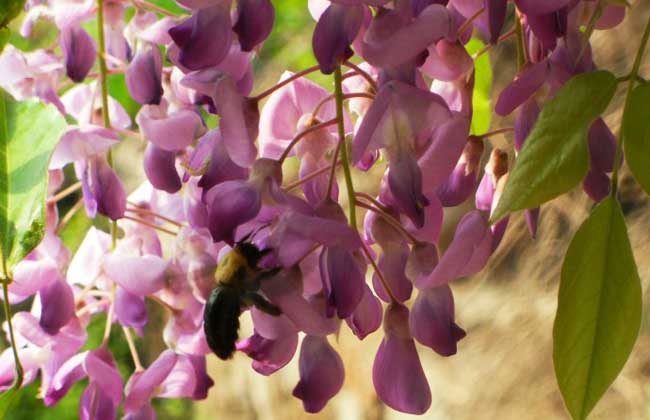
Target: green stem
(628,97)
(521,49)
(338,91)
(103,70)
(18,380)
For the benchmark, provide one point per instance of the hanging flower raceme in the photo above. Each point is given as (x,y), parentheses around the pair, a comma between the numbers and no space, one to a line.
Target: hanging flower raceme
(281,174)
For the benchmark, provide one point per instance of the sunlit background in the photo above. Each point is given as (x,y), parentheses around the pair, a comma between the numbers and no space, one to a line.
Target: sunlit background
(503,369)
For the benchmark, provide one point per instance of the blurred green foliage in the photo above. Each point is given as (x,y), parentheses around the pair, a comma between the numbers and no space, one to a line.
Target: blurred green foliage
(481,99)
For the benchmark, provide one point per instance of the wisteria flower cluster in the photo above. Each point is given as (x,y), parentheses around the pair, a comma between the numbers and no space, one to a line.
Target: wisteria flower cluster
(402,103)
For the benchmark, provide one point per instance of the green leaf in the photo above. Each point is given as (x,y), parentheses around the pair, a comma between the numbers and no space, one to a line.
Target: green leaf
(637,135)
(481,97)
(599,309)
(8,400)
(28,133)
(555,157)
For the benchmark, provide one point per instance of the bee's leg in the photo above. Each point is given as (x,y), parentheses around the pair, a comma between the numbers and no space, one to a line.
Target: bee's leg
(268,273)
(254,299)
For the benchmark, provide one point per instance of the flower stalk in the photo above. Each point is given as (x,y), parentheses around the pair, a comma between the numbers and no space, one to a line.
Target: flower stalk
(338,91)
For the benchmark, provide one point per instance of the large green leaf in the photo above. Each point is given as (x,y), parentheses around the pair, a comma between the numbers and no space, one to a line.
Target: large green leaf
(28,133)
(637,135)
(555,156)
(599,309)
(9,400)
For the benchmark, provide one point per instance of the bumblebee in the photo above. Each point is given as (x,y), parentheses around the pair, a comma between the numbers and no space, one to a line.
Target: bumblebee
(238,280)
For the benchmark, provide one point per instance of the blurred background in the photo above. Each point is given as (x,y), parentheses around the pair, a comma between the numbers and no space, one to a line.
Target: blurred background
(504,368)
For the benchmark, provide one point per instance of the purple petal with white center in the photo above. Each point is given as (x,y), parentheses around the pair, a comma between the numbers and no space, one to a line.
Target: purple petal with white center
(254,22)
(102,189)
(57,306)
(397,373)
(171,132)
(80,143)
(367,316)
(79,103)
(68,374)
(496,167)
(467,253)
(160,168)
(285,291)
(181,381)
(321,373)
(268,355)
(212,150)
(447,61)
(400,115)
(78,49)
(146,26)
(130,309)
(200,275)
(204,39)
(30,276)
(239,122)
(141,385)
(139,275)
(462,181)
(336,29)
(143,76)
(432,320)
(282,112)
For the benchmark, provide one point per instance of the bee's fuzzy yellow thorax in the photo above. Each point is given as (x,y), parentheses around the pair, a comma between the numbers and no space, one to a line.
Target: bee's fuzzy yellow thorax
(228,267)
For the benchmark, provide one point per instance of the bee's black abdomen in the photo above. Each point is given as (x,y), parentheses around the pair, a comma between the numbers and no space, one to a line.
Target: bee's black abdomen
(221,321)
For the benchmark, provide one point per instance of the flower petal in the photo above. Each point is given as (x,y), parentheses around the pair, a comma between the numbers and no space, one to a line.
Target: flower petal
(321,373)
